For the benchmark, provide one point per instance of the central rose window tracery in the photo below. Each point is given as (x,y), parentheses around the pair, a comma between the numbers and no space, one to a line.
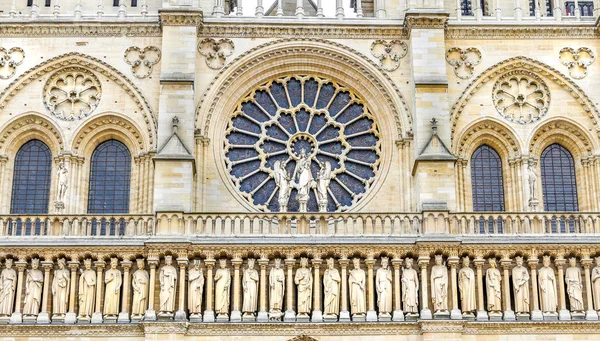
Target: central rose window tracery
(302,143)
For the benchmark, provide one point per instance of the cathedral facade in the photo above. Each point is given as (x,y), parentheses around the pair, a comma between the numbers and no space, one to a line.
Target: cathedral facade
(299,170)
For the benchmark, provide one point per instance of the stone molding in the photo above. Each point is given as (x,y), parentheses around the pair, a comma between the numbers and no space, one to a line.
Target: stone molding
(81,29)
(91,63)
(426,21)
(96,124)
(460,32)
(180,18)
(31,122)
(471,137)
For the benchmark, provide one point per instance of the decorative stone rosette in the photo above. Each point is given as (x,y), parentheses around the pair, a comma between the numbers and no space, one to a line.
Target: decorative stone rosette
(72,93)
(521,97)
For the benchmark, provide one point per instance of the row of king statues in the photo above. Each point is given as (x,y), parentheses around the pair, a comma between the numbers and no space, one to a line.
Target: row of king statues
(349,295)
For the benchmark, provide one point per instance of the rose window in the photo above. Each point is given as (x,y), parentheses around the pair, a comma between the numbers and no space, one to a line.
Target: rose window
(72,93)
(521,98)
(302,143)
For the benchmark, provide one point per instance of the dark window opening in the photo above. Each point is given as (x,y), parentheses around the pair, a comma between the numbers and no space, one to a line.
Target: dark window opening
(558,179)
(486,180)
(31,179)
(110,175)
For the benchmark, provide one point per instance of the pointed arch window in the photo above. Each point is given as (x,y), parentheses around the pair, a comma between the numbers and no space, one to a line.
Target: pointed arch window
(110,175)
(31,179)
(486,180)
(559,185)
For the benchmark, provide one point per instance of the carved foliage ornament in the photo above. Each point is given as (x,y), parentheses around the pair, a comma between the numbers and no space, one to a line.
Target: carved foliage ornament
(142,60)
(521,97)
(463,61)
(389,53)
(216,51)
(302,120)
(72,93)
(577,60)
(9,60)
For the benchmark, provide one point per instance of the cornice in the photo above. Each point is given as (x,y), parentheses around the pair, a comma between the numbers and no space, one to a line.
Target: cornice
(426,20)
(81,29)
(307,30)
(180,18)
(521,32)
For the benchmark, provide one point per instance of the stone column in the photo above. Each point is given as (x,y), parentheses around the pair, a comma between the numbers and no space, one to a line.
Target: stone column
(317,315)
(398,313)
(590,314)
(124,314)
(44,316)
(236,314)
(455,313)
(563,313)
(481,312)
(344,312)
(71,316)
(536,313)
(509,314)
(371,313)
(209,313)
(17,316)
(180,314)
(290,314)
(423,262)
(151,313)
(263,315)
(97,315)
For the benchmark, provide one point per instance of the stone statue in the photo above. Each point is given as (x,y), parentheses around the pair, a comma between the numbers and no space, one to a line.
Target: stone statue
(140,282)
(466,285)
(112,281)
(410,288)
(383,285)
(547,284)
(596,283)
(87,290)
(323,179)
(520,277)
(331,290)
(33,289)
(304,179)
(250,287)
(531,171)
(276,291)
(8,284)
(357,281)
(574,286)
(62,180)
(439,285)
(282,179)
(304,281)
(222,285)
(195,289)
(168,287)
(493,286)
(60,289)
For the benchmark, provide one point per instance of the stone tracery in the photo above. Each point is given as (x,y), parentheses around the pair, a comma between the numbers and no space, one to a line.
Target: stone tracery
(521,97)
(72,93)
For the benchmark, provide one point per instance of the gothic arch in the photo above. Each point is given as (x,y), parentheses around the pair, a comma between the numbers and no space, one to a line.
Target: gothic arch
(487,131)
(530,65)
(565,132)
(29,126)
(303,56)
(88,62)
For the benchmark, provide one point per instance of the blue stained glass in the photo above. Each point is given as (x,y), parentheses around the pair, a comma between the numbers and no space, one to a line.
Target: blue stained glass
(294,88)
(352,183)
(243,123)
(241,154)
(363,155)
(110,174)
(31,179)
(272,159)
(262,195)
(272,147)
(559,184)
(328,133)
(303,145)
(310,92)
(253,181)
(287,122)
(361,125)
(278,92)
(363,141)
(241,139)
(360,170)
(327,91)
(486,179)
(335,164)
(353,111)
(341,195)
(333,147)
(276,132)
(339,102)
(264,100)
(302,117)
(242,169)
(254,111)
(317,123)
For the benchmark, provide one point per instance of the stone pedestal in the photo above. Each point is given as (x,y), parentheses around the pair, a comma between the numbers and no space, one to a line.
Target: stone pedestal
(110,319)
(426,314)
(411,317)
(16,318)
(290,316)
(495,316)
(165,316)
(591,315)
(44,318)
(523,317)
(330,318)
(83,320)
(455,314)
(209,316)
(4,319)
(469,316)
(247,318)
(344,316)
(398,315)
(137,318)
(195,318)
(536,315)
(236,316)
(262,316)
(180,316)
(563,315)
(551,316)
(123,317)
(482,315)
(150,315)
(371,316)
(303,318)
(70,318)
(385,317)
(578,316)
(509,315)
(317,316)
(441,315)
(222,318)
(97,318)
(359,318)
(30,319)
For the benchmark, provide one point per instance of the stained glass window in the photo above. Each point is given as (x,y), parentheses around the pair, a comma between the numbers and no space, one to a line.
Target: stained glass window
(31,179)
(486,180)
(109,179)
(558,179)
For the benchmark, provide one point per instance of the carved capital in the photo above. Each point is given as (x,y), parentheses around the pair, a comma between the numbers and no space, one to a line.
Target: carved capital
(344,262)
(290,262)
(586,262)
(73,265)
(237,262)
(126,264)
(533,263)
(100,264)
(263,262)
(183,262)
(47,265)
(20,265)
(453,261)
(397,263)
(210,263)
(506,263)
(316,263)
(560,262)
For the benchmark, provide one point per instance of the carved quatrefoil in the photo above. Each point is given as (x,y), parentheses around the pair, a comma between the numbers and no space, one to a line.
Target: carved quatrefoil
(577,60)
(389,53)
(216,51)
(142,60)
(463,61)
(9,60)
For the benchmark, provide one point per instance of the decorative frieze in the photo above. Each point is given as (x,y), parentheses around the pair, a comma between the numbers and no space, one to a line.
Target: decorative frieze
(81,29)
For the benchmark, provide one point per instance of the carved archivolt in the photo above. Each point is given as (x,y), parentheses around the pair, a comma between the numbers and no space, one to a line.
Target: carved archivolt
(142,60)
(389,53)
(92,64)
(577,60)
(31,123)
(527,65)
(490,132)
(9,60)
(216,51)
(521,97)
(93,129)
(72,93)
(569,134)
(463,61)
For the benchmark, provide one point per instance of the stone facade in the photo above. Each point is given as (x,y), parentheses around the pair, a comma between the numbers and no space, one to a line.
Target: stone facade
(320,140)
